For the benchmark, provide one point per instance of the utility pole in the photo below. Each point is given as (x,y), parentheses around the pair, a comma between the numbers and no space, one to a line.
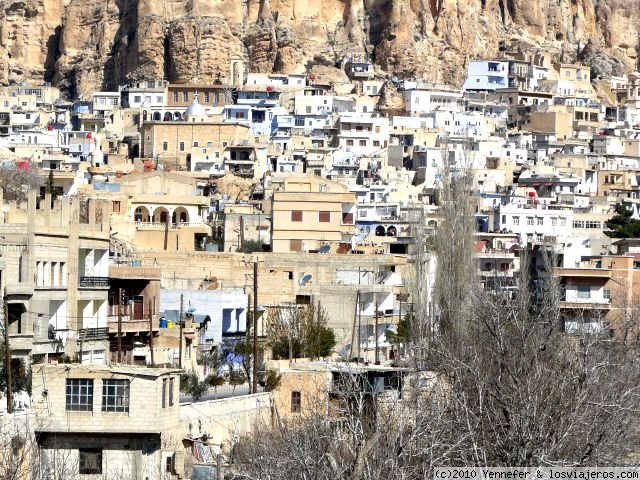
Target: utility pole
(166,233)
(353,330)
(254,388)
(375,334)
(153,363)
(119,327)
(359,324)
(180,320)
(7,354)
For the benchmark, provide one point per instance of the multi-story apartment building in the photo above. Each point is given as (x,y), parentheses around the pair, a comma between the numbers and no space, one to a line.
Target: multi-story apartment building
(363,135)
(309,212)
(55,275)
(536,223)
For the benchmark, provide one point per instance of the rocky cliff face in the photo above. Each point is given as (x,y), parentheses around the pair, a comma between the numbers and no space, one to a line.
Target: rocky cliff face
(84,45)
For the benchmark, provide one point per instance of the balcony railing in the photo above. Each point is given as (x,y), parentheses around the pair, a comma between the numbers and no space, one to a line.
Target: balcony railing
(94,281)
(94,333)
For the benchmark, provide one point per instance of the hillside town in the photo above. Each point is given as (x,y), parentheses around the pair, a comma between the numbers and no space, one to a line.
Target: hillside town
(180,261)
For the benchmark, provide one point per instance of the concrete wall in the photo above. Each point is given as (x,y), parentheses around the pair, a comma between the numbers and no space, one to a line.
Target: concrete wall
(227,419)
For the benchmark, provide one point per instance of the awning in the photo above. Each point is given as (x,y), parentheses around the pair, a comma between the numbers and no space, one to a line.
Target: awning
(548,184)
(189,336)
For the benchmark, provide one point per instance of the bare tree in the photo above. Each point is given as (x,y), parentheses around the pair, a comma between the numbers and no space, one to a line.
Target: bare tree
(17,180)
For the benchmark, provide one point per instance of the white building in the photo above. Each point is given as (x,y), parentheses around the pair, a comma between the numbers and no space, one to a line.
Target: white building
(363,135)
(418,101)
(487,75)
(535,223)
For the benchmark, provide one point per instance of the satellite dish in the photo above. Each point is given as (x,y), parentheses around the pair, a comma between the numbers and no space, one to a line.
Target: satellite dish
(324,249)
(304,280)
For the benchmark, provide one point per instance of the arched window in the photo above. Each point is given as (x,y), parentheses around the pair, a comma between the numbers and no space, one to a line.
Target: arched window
(156,116)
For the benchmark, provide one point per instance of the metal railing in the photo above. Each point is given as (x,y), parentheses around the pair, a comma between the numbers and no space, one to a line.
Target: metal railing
(94,333)
(94,281)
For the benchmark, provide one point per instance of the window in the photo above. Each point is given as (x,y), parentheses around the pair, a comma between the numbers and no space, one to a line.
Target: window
(308,109)
(196,144)
(540,221)
(165,146)
(504,219)
(349,143)
(239,115)
(554,221)
(296,402)
(168,464)
(529,220)
(175,96)
(171,390)
(376,143)
(299,122)
(115,395)
(137,98)
(584,291)
(606,294)
(181,146)
(79,395)
(324,217)
(185,96)
(90,461)
(164,393)
(539,237)
(115,206)
(516,220)
(347,218)
(206,97)
(296,215)
(363,143)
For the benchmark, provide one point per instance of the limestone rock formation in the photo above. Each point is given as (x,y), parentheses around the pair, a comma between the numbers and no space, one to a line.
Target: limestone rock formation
(84,45)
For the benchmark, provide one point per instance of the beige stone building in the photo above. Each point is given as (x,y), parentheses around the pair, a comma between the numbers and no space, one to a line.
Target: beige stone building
(554,122)
(309,212)
(108,422)
(159,210)
(173,143)
(316,388)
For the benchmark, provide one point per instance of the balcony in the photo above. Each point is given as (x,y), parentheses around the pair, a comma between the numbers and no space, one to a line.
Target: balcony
(128,325)
(583,272)
(92,282)
(93,334)
(171,226)
(591,303)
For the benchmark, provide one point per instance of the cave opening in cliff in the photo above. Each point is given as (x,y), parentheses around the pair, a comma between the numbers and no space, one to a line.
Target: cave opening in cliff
(166,58)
